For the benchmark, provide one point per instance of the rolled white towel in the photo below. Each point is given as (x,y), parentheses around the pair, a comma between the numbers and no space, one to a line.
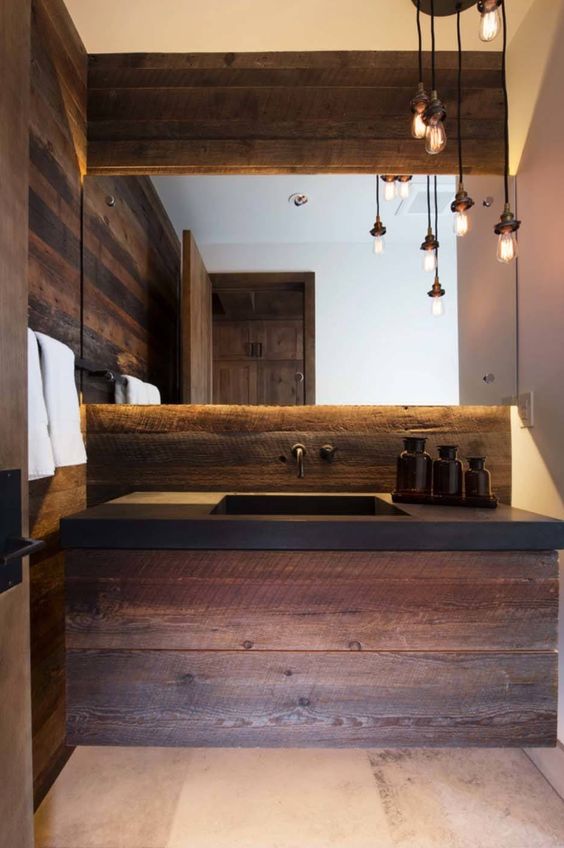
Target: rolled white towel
(152,394)
(133,390)
(41,462)
(61,401)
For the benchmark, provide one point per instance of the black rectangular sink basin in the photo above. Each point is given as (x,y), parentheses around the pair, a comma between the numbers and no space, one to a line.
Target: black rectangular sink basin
(305,505)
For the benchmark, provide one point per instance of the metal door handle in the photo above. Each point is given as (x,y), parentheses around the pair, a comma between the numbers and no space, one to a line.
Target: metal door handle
(258,353)
(299,377)
(19,547)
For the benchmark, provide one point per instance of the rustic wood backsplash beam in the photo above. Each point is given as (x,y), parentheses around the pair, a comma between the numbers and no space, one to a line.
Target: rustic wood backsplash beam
(283,112)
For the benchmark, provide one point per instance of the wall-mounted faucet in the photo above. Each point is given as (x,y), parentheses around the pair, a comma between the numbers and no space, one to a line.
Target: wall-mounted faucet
(299,451)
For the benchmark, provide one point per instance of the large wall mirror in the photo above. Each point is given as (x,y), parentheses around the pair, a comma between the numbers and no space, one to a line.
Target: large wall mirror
(284,300)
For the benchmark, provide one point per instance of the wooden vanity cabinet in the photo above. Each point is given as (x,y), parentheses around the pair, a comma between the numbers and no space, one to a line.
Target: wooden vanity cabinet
(311,648)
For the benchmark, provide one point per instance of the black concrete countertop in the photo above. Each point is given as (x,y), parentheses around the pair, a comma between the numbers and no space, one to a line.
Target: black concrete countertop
(182,520)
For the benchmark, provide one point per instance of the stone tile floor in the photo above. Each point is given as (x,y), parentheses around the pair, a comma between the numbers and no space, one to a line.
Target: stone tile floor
(233,798)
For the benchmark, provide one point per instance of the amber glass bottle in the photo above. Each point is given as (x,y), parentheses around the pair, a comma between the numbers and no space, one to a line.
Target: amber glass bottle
(447,472)
(477,478)
(414,468)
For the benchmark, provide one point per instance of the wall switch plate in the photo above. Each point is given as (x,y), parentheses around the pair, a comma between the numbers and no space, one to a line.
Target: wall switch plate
(525,407)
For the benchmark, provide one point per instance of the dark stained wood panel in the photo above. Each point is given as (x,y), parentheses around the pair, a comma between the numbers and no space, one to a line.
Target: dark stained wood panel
(16,812)
(57,157)
(240,448)
(131,259)
(337,601)
(284,112)
(294,699)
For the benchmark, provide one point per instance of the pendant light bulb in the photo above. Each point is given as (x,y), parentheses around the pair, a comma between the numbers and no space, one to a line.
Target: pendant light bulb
(436,294)
(506,230)
(429,261)
(490,19)
(461,224)
(437,307)
(403,186)
(390,190)
(429,248)
(378,232)
(435,138)
(460,206)
(418,126)
(506,247)
(418,106)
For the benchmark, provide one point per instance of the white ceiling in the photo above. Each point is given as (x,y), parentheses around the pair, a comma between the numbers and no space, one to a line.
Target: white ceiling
(124,26)
(255,209)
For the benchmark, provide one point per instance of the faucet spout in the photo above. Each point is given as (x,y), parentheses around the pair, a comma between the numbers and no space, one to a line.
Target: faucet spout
(299,451)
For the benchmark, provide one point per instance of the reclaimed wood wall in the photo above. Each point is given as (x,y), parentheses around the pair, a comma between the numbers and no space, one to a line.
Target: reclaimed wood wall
(312,648)
(284,113)
(133,266)
(131,256)
(248,448)
(57,144)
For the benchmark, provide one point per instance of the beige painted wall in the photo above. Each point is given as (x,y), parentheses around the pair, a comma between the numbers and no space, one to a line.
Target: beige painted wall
(538,456)
(123,26)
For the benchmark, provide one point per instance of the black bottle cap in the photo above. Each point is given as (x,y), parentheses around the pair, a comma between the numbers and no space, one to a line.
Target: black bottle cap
(476,463)
(448,451)
(415,443)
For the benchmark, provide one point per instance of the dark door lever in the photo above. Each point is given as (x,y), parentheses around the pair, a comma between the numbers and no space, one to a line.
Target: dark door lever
(19,547)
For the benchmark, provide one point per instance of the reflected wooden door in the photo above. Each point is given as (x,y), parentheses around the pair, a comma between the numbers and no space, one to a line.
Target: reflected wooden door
(195,325)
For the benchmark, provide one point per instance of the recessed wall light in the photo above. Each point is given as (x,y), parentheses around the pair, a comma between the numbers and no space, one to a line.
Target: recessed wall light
(298,199)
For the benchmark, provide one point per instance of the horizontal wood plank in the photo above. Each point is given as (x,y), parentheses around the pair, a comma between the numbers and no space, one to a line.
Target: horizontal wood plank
(284,112)
(270,699)
(294,601)
(277,156)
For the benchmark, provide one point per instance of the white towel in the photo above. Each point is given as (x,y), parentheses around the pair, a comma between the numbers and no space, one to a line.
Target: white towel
(133,390)
(40,452)
(152,393)
(61,400)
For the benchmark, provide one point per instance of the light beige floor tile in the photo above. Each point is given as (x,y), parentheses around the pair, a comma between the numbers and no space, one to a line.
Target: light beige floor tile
(113,798)
(280,799)
(464,798)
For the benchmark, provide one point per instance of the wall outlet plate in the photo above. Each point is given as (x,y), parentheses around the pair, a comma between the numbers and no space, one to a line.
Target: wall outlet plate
(525,407)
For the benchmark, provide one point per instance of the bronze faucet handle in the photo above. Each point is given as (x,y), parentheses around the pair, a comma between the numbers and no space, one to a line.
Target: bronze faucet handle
(327,452)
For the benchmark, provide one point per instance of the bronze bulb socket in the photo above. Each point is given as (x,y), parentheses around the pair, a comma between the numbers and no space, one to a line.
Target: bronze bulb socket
(507,222)
(485,6)
(421,100)
(378,230)
(404,178)
(436,290)
(435,111)
(462,201)
(430,242)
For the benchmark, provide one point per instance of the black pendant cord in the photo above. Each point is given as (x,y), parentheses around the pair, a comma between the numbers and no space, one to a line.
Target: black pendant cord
(436,228)
(428,202)
(505,101)
(377,195)
(420,41)
(459,95)
(81,305)
(433,81)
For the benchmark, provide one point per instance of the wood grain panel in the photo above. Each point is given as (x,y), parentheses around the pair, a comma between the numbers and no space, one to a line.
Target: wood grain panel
(131,258)
(270,699)
(196,343)
(16,812)
(240,448)
(204,600)
(282,112)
